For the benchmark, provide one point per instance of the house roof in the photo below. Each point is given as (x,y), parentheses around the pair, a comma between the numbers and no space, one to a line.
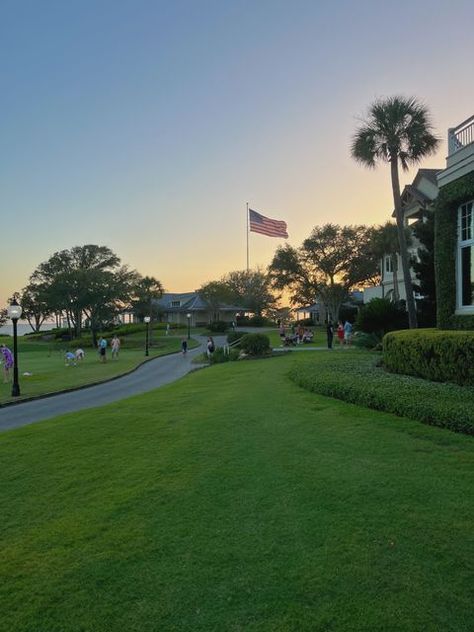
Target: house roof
(191,302)
(429,174)
(413,190)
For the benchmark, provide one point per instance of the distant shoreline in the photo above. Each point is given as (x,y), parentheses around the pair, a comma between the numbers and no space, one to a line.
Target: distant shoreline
(23,328)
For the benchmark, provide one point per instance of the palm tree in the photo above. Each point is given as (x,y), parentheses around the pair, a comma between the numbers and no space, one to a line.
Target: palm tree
(397,130)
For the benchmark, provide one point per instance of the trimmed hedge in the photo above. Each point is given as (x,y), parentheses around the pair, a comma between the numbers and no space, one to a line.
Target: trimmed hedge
(356,378)
(433,354)
(255,344)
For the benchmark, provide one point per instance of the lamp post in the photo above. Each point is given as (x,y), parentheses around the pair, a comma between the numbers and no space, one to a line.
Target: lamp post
(188,316)
(147,321)
(14,312)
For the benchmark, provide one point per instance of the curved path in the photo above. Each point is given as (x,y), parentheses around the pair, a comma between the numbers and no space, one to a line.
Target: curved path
(148,376)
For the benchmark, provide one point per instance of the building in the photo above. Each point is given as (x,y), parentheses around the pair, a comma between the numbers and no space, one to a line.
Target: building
(175,308)
(454,234)
(417,201)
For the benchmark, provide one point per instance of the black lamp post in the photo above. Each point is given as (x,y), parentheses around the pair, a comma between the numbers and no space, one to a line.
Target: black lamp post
(188,316)
(147,321)
(14,312)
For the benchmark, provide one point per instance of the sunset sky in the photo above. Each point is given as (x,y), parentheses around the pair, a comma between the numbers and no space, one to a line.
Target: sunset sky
(146,126)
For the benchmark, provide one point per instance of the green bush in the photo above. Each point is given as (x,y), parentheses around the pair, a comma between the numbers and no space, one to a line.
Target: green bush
(441,356)
(356,378)
(233,336)
(380,316)
(218,326)
(366,341)
(220,356)
(255,344)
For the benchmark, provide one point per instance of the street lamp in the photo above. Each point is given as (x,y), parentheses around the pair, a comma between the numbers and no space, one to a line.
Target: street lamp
(14,312)
(188,316)
(147,321)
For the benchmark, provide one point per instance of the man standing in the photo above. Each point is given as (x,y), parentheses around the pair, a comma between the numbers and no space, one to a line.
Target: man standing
(329,333)
(102,349)
(347,333)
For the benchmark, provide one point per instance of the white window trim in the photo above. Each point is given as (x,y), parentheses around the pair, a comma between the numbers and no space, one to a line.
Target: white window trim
(460,308)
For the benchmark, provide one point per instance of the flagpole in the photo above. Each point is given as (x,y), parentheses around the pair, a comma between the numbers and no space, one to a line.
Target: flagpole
(247,236)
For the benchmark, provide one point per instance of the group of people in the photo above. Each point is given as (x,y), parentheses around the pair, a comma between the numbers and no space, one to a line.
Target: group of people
(343,333)
(297,335)
(71,358)
(114,346)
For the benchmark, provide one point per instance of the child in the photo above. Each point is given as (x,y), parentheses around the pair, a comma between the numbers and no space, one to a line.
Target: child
(340,333)
(70,358)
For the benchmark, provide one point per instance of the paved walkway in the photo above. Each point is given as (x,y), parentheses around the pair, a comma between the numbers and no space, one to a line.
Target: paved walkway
(148,376)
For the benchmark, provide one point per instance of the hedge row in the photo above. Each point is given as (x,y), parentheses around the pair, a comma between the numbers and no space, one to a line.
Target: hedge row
(355,378)
(433,354)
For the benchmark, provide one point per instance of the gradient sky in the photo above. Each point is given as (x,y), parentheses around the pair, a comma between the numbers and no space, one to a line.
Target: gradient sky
(146,126)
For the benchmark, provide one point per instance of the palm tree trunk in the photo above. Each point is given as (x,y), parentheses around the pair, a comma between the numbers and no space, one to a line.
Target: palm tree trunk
(403,245)
(396,292)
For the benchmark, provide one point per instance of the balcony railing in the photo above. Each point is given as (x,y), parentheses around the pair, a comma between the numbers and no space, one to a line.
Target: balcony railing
(460,136)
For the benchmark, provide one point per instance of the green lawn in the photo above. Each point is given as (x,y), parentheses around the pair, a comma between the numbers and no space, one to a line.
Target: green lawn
(235,500)
(49,374)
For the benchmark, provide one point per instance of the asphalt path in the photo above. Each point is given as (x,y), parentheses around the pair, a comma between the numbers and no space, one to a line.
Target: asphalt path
(148,376)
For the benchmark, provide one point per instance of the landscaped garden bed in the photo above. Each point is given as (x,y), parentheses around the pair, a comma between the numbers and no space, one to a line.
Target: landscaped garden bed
(356,377)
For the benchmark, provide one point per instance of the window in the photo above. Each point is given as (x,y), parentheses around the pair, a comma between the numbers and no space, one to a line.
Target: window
(388,263)
(465,284)
(175,303)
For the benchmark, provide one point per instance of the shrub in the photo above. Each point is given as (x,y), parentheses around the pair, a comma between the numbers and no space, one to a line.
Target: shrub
(355,378)
(233,336)
(255,344)
(220,356)
(441,356)
(218,326)
(367,341)
(380,316)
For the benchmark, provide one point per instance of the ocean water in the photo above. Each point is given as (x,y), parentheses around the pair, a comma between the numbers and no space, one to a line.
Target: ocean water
(23,328)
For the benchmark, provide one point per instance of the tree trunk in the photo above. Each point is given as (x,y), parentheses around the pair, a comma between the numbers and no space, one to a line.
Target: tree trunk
(397,201)
(396,292)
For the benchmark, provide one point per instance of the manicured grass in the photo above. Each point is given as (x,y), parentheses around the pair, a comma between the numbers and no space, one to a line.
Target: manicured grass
(235,500)
(49,373)
(355,376)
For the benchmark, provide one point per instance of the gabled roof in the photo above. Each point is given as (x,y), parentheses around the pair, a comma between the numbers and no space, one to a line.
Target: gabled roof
(429,174)
(191,302)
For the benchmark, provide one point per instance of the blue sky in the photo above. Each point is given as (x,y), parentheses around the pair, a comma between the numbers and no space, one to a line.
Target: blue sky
(146,126)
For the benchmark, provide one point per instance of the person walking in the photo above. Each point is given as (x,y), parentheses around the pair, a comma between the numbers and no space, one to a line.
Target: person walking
(184,346)
(115,346)
(329,333)
(210,347)
(167,329)
(340,333)
(7,356)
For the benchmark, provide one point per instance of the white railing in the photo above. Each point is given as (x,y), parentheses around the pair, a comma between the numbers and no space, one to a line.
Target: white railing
(460,136)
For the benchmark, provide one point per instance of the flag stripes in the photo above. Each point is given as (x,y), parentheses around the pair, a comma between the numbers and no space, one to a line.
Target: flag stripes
(267,226)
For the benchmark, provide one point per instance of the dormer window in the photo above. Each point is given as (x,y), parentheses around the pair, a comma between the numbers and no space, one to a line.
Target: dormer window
(175,303)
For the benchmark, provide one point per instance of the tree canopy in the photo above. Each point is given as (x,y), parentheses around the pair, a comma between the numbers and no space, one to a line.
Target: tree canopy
(330,262)
(397,130)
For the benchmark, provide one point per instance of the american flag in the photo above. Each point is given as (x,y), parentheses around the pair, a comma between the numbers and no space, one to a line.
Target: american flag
(266,226)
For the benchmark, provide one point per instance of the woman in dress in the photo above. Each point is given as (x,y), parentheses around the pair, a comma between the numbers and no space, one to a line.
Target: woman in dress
(7,357)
